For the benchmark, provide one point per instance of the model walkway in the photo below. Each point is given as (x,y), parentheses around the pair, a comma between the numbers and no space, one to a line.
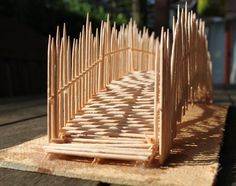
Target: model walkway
(88,105)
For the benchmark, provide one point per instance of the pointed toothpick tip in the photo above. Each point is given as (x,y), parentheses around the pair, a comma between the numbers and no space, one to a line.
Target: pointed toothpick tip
(87,17)
(52,39)
(162,29)
(178,10)
(83,29)
(162,32)
(64,29)
(58,29)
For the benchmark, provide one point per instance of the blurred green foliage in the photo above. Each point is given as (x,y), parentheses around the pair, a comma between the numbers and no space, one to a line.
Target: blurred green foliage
(211,7)
(97,12)
(45,15)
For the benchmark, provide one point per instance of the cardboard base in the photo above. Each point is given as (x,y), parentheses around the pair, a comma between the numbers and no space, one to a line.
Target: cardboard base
(193,159)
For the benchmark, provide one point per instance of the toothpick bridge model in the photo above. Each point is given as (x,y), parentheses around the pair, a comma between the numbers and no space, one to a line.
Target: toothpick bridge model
(119,94)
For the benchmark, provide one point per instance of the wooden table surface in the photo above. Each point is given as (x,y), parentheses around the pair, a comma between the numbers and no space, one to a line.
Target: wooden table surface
(23,119)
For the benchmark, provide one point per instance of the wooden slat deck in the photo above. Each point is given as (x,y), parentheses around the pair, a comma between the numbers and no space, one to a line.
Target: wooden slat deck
(116,123)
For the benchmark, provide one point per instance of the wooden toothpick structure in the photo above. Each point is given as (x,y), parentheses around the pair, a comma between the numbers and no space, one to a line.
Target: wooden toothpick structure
(119,94)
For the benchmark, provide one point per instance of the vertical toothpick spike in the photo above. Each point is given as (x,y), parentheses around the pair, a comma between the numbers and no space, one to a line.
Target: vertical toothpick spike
(52,87)
(87,21)
(64,33)
(73,100)
(182,17)
(101,40)
(173,24)
(61,67)
(68,73)
(58,56)
(49,49)
(64,55)
(156,94)
(168,40)
(186,6)
(178,12)
(161,141)
(73,59)
(58,33)
(58,40)
(49,123)
(203,28)
(96,39)
(186,13)
(68,56)
(108,18)
(82,48)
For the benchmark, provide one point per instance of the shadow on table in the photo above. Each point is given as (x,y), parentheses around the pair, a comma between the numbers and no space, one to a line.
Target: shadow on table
(198,138)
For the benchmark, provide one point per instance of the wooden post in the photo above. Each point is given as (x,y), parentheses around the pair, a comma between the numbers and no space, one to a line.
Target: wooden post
(156,94)
(68,84)
(52,87)
(49,98)
(161,99)
(57,78)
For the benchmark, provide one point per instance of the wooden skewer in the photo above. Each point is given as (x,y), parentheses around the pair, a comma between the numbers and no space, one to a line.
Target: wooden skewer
(101,150)
(99,155)
(49,122)
(88,146)
(107,141)
(52,89)
(113,145)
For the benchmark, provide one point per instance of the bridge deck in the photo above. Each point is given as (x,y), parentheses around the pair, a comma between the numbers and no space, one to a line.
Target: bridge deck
(116,124)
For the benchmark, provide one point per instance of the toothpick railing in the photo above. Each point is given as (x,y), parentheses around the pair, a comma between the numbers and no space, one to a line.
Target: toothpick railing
(76,74)
(185,75)
(182,75)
